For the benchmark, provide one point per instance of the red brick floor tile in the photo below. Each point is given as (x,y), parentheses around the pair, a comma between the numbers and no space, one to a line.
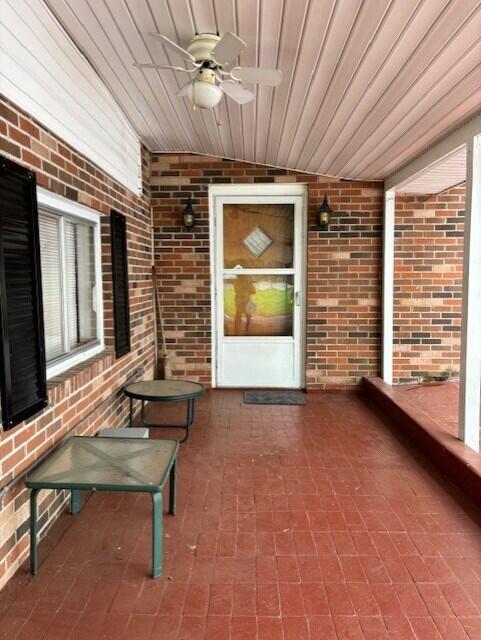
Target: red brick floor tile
(309,568)
(472,626)
(266,569)
(126,597)
(245,600)
(373,628)
(293,523)
(352,569)
(363,599)
(217,628)
(295,628)
(435,601)
(315,599)
(399,628)
(114,625)
(411,601)
(87,625)
(451,629)
(268,600)
(140,627)
(61,625)
(243,628)
(339,601)
(321,628)
(11,626)
(196,600)
(291,599)
(288,569)
(269,629)
(348,628)
(459,600)
(166,627)
(331,569)
(425,628)
(387,600)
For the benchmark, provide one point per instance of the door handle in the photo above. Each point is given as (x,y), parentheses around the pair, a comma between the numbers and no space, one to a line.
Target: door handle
(297,298)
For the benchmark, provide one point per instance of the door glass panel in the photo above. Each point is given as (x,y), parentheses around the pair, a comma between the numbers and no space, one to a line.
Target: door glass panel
(258,305)
(258,236)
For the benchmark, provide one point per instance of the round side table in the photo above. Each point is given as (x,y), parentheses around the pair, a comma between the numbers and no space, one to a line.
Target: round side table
(164,391)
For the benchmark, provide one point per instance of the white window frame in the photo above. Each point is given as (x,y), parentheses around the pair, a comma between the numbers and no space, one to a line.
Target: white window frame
(57,205)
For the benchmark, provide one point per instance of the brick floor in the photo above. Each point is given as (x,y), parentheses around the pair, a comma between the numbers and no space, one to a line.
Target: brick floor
(293,523)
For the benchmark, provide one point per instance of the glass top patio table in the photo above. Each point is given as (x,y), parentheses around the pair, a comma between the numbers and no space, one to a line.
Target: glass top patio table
(164,390)
(120,464)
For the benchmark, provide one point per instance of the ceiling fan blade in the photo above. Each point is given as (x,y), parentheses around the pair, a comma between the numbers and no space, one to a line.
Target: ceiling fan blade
(149,65)
(237,92)
(174,47)
(269,77)
(183,91)
(228,48)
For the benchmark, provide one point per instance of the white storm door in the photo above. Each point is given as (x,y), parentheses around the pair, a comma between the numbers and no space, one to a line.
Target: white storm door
(259,290)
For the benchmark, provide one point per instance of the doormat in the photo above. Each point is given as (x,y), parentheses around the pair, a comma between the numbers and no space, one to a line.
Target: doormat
(273,397)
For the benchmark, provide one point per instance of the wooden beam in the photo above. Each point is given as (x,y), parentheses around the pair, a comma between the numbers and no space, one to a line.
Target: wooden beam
(388,286)
(470,378)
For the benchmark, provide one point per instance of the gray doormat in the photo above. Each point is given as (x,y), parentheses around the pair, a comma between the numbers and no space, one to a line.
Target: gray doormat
(273,397)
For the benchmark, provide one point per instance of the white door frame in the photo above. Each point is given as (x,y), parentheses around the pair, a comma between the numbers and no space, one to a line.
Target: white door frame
(242,190)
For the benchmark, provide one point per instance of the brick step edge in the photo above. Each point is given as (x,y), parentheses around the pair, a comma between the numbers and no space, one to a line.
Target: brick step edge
(455,460)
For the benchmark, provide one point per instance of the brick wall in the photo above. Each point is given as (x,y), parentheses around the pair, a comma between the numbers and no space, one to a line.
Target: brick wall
(88,396)
(344,267)
(427,284)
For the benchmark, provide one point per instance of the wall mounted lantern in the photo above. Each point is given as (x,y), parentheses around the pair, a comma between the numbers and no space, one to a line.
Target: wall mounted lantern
(188,215)
(324,214)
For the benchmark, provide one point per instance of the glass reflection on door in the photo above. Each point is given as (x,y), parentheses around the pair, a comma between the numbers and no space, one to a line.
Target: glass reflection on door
(259,236)
(258,305)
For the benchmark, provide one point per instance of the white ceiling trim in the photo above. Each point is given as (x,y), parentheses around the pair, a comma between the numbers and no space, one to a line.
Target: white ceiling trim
(43,72)
(444,174)
(448,150)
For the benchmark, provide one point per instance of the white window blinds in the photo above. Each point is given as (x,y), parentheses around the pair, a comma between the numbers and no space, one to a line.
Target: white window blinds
(68,282)
(51,285)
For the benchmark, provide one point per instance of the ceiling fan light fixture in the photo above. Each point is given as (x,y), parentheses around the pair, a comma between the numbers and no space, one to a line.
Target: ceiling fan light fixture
(204,95)
(212,59)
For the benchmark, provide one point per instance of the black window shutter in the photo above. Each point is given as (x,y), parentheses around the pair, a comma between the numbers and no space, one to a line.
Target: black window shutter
(120,283)
(22,349)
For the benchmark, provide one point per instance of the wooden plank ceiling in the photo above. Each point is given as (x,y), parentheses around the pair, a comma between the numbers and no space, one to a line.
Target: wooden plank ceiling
(368,84)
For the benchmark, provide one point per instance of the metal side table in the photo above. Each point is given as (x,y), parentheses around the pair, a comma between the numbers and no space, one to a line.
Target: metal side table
(108,464)
(165,391)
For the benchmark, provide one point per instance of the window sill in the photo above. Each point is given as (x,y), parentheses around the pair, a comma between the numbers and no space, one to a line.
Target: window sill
(74,359)
(64,384)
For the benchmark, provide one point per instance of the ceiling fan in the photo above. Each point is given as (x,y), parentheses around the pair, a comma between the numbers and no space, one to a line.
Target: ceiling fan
(210,62)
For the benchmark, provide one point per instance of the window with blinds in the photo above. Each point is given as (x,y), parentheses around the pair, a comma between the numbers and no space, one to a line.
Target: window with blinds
(69,284)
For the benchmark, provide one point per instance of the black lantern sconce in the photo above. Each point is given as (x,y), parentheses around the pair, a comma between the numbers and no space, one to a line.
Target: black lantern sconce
(324,214)
(188,215)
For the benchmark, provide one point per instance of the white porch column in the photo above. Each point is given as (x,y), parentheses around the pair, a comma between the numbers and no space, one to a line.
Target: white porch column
(470,374)
(388,285)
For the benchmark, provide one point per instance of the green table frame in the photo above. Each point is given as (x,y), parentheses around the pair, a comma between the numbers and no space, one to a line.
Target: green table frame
(62,481)
(164,391)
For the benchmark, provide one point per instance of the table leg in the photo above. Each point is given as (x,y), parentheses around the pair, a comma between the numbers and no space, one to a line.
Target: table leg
(33,530)
(189,419)
(172,481)
(131,411)
(157,534)
(74,501)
